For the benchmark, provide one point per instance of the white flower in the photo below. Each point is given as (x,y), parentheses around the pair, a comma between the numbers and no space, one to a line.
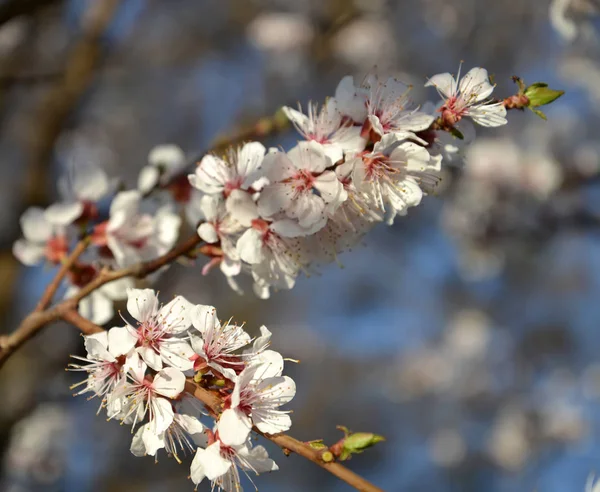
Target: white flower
(104,368)
(42,239)
(186,434)
(214,175)
(384,107)
(164,163)
(395,175)
(98,305)
(132,236)
(157,338)
(467,97)
(258,393)
(146,395)
(300,185)
(218,343)
(219,463)
(591,486)
(327,127)
(85,186)
(275,257)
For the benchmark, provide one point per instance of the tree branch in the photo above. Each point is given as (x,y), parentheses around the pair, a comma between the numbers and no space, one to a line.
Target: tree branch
(288,443)
(10,9)
(35,321)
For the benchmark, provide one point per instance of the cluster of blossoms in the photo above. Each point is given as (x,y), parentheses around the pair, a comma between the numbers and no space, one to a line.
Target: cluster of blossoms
(366,156)
(139,372)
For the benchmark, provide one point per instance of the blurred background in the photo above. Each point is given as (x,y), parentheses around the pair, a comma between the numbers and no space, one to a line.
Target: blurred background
(468,333)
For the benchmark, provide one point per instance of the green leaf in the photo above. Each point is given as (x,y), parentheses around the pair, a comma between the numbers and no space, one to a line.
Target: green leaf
(456,133)
(318,444)
(539,113)
(539,94)
(359,441)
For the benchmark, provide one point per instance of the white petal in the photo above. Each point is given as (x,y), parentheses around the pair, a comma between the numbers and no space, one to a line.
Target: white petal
(249,246)
(169,382)
(28,253)
(329,186)
(142,304)
(35,226)
(121,340)
(445,83)
(242,208)
(288,228)
(148,179)
(138,448)
(475,85)
(258,459)
(308,209)
(351,100)
(211,175)
(204,318)
(90,182)
(169,156)
(152,441)
(176,315)
(96,346)
(209,463)
(178,354)
(162,415)
(277,166)
(234,427)
(249,160)
(150,357)
(310,156)
(63,213)
(229,267)
(489,115)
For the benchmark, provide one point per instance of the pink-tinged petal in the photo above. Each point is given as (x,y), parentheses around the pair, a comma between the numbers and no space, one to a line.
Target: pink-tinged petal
(177,354)
(309,156)
(269,364)
(308,209)
(277,166)
(234,427)
(288,228)
(162,414)
(97,308)
(275,198)
(229,267)
(96,347)
(445,83)
(150,357)
(35,226)
(241,207)
(208,463)
(250,158)
(329,186)
(204,318)
(475,85)
(490,115)
(210,206)
(138,448)
(334,151)
(298,119)
(257,460)
(250,247)
(28,253)
(90,182)
(168,156)
(142,304)
(125,205)
(176,314)
(152,441)
(63,213)
(351,100)
(121,340)
(211,175)
(148,178)
(169,382)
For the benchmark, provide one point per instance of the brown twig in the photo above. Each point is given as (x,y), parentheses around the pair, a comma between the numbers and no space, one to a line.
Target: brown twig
(35,321)
(11,9)
(288,443)
(53,286)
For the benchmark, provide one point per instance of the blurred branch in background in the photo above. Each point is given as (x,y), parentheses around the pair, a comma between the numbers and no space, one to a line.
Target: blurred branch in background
(10,9)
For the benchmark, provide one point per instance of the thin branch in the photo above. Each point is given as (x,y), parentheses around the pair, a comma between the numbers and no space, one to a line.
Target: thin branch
(53,286)
(288,443)
(10,9)
(85,325)
(35,321)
